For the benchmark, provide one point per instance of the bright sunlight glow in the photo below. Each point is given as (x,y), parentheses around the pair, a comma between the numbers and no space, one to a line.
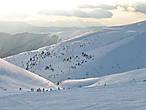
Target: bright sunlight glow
(31,6)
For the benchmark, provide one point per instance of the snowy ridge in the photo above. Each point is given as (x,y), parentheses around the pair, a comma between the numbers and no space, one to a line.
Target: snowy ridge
(98,53)
(13,78)
(127,78)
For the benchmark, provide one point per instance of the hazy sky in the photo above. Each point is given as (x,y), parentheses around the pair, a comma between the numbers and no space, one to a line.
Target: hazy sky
(73,12)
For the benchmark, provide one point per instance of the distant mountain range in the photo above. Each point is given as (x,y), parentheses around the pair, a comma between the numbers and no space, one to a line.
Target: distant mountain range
(17,43)
(12,27)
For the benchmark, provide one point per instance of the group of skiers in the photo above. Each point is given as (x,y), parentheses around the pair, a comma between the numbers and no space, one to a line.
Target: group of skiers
(40,90)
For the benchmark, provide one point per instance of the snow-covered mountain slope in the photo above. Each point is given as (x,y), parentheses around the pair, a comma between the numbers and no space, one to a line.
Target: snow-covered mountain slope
(13,78)
(17,43)
(140,26)
(93,54)
(121,79)
(118,94)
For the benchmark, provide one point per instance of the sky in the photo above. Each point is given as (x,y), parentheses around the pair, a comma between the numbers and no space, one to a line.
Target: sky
(76,13)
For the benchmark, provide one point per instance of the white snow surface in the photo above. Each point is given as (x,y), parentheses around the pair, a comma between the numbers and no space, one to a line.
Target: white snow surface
(12,78)
(122,92)
(100,70)
(93,54)
(130,77)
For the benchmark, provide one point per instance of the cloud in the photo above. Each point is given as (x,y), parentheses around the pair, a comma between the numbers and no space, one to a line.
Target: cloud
(99,13)
(101,6)
(135,7)
(96,13)
(76,13)
(141,8)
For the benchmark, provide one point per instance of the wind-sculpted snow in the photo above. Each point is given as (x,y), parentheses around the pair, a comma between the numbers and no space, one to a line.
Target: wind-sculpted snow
(93,54)
(13,78)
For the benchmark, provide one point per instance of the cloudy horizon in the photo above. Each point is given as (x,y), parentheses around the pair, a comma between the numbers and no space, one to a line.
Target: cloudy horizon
(68,13)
